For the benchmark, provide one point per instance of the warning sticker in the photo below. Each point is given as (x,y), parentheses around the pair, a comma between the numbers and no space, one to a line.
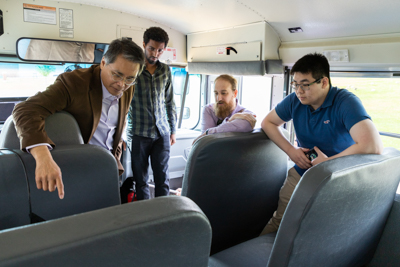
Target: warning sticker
(172,51)
(40,14)
(66,18)
(221,50)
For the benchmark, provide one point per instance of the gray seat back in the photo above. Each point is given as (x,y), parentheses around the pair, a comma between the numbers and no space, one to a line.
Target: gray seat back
(338,211)
(61,127)
(166,231)
(231,173)
(14,202)
(90,175)
(388,251)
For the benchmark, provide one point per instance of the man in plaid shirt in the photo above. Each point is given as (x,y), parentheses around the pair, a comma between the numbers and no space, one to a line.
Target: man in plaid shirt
(152,118)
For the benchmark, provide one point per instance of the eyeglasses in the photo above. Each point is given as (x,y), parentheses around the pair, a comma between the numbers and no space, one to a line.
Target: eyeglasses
(118,78)
(304,87)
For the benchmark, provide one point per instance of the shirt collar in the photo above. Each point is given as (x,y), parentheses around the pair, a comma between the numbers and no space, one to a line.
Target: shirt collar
(328,100)
(238,107)
(330,97)
(158,67)
(107,94)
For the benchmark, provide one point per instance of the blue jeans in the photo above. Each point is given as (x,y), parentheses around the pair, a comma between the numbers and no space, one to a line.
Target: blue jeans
(158,150)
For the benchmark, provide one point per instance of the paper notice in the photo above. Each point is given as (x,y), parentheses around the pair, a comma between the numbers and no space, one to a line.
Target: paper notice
(40,14)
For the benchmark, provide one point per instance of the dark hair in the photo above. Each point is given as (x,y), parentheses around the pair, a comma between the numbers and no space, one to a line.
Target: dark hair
(229,79)
(316,64)
(127,49)
(156,34)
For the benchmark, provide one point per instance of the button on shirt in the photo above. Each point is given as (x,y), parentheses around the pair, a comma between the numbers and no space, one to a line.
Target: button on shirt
(103,136)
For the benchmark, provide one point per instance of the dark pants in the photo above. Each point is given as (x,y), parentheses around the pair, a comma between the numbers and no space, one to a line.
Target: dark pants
(158,150)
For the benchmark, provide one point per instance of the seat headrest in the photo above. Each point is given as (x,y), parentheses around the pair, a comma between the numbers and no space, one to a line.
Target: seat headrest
(61,127)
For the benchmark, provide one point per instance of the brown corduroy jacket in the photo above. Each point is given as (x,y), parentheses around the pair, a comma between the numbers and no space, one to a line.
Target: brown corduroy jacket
(79,93)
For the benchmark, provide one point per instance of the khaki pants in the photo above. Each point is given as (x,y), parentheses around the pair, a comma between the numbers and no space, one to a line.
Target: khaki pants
(285,194)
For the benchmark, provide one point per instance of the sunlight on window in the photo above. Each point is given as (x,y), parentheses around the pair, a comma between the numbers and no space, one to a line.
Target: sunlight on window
(24,80)
(256,96)
(191,112)
(381,98)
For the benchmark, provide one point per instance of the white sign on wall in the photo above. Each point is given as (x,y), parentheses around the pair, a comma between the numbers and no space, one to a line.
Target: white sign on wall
(221,50)
(40,14)
(66,18)
(169,54)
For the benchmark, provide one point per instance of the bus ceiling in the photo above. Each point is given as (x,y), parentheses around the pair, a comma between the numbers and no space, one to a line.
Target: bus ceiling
(200,32)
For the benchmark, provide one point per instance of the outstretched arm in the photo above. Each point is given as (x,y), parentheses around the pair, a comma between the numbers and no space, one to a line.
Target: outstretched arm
(29,118)
(367,141)
(249,117)
(239,122)
(270,125)
(207,119)
(47,173)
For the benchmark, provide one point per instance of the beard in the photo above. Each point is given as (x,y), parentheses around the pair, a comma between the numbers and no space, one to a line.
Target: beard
(224,110)
(150,60)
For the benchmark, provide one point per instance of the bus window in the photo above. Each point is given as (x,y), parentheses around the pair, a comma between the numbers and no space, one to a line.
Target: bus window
(192,103)
(24,80)
(20,81)
(210,90)
(256,96)
(191,111)
(380,97)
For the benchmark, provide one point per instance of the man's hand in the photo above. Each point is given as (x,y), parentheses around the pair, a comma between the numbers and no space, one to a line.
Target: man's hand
(321,157)
(47,173)
(296,154)
(245,116)
(172,139)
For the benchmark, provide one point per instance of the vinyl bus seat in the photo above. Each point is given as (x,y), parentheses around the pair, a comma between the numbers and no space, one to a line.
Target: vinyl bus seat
(61,127)
(388,251)
(335,217)
(14,201)
(235,179)
(165,231)
(90,175)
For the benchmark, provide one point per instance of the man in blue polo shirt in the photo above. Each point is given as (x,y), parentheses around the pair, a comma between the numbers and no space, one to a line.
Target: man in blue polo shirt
(332,121)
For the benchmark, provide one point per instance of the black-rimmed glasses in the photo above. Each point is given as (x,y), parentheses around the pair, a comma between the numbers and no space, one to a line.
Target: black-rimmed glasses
(304,87)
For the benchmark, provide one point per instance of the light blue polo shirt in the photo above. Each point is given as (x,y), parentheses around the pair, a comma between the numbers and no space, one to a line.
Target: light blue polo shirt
(329,126)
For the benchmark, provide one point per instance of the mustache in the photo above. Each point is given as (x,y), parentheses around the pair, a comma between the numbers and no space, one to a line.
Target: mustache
(221,102)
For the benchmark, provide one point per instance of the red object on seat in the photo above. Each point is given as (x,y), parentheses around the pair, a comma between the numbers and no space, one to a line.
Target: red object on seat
(131,197)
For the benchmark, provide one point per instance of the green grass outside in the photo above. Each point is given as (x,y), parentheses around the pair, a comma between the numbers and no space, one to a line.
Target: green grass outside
(381,99)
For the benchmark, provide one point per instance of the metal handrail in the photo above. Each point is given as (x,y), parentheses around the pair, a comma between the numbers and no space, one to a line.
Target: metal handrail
(390,134)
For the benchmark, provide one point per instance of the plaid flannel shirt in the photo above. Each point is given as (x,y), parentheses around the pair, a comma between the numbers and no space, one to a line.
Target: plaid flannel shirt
(153,105)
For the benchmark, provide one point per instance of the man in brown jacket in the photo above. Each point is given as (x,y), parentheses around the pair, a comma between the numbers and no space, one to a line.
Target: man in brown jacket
(98,97)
